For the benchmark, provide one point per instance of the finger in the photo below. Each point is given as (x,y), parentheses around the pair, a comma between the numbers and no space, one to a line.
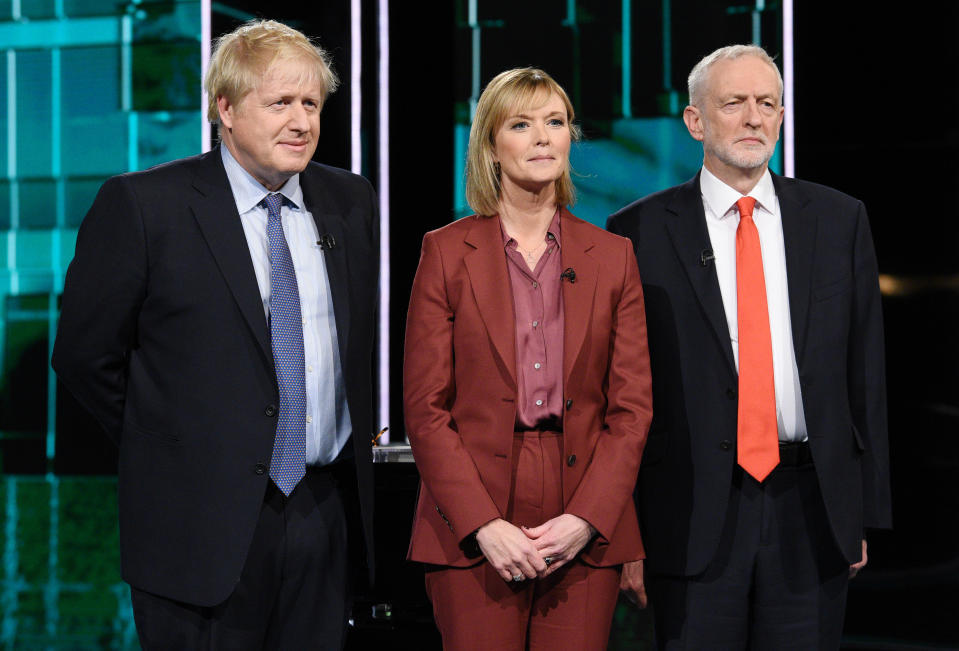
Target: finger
(536,532)
(526,567)
(643,599)
(555,565)
(546,546)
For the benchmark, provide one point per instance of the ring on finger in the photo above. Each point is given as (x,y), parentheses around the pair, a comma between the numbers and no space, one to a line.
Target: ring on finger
(548,560)
(518,577)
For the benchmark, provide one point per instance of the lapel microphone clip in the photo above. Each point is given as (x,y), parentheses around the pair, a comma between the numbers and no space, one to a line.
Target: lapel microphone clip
(569,275)
(326,242)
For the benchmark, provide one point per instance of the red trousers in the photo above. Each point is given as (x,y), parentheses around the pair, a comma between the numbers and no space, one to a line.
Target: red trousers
(571,609)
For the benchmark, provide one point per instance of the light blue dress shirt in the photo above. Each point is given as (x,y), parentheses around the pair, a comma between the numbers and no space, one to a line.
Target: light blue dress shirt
(328,425)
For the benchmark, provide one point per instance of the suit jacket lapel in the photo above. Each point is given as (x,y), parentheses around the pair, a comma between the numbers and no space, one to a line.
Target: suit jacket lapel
(575,253)
(687,229)
(215,211)
(329,222)
(799,236)
(489,279)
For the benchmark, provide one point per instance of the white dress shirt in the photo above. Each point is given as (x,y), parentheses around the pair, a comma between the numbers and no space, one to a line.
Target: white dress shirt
(722,220)
(328,425)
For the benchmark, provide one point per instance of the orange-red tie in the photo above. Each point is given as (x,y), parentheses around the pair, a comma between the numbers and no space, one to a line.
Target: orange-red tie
(757,436)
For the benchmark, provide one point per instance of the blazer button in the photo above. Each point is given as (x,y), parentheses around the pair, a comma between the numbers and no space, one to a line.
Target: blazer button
(270,410)
(569,404)
(259,468)
(731,394)
(571,461)
(725,444)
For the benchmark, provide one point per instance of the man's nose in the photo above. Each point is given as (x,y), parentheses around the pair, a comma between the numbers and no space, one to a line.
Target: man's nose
(298,117)
(753,117)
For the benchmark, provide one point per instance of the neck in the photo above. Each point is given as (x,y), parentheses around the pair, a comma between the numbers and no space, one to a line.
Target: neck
(740,180)
(527,212)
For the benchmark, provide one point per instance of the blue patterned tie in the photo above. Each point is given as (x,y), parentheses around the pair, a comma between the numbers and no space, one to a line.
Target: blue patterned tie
(286,330)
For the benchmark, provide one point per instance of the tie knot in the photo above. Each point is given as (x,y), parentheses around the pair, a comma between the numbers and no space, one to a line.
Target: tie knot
(746,205)
(273,203)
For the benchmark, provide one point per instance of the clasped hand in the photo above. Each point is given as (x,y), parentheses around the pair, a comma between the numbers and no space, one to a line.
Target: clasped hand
(520,551)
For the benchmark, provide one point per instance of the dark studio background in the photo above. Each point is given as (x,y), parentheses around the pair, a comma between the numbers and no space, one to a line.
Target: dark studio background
(876,100)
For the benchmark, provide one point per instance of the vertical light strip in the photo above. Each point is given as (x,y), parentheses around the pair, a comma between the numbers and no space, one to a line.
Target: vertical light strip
(205,29)
(474,58)
(12,171)
(356,91)
(383,159)
(126,84)
(757,22)
(56,282)
(789,138)
(627,59)
(51,590)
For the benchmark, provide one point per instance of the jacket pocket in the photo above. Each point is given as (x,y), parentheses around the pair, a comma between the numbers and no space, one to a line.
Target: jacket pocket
(831,289)
(152,435)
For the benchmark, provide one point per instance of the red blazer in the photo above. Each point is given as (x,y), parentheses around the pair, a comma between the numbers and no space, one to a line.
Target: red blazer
(459,387)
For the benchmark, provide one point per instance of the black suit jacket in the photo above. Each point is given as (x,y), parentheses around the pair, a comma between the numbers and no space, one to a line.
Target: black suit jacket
(162,337)
(836,317)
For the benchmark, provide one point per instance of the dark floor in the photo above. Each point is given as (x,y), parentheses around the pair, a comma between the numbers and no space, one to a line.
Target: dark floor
(60,586)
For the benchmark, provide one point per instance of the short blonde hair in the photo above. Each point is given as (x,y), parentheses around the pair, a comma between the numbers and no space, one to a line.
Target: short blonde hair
(241,58)
(507,92)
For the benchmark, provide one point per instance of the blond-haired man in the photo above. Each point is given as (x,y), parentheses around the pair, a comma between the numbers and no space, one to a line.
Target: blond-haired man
(213,326)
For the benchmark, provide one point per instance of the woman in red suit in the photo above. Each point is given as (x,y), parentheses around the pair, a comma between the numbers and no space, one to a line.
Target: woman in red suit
(526,392)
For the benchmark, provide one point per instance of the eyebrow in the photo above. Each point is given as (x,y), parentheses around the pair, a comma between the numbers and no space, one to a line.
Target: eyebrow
(742,96)
(525,116)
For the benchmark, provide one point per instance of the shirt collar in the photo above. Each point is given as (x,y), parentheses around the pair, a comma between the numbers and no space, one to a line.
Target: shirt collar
(721,198)
(248,192)
(553,230)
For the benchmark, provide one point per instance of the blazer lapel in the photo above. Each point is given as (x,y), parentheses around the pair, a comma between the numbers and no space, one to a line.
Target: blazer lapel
(799,236)
(215,211)
(489,279)
(575,253)
(336,257)
(687,229)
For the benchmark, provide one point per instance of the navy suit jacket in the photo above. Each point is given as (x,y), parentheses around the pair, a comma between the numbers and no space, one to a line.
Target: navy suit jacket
(835,311)
(162,337)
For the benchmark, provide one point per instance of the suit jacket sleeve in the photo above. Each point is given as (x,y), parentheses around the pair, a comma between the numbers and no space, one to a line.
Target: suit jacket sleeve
(104,288)
(444,463)
(606,488)
(867,384)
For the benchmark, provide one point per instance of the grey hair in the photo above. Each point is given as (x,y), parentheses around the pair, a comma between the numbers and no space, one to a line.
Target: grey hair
(700,73)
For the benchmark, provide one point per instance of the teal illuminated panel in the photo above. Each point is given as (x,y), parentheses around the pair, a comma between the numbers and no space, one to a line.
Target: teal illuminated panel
(87,90)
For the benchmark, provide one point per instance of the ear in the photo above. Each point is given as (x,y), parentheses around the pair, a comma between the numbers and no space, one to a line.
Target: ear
(226,110)
(694,122)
